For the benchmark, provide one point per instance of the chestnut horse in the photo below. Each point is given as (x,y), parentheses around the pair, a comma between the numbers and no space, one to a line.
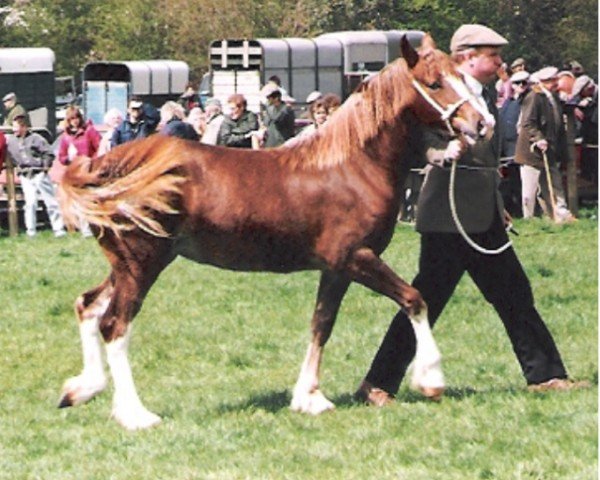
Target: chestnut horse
(327,202)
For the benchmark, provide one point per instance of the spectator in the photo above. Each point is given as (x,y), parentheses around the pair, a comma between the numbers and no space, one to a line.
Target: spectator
(313,97)
(189,98)
(112,119)
(542,133)
(197,119)
(32,157)
(510,186)
(141,121)
(240,126)
(172,122)
(13,110)
(214,120)
(318,115)
(78,138)
(2,149)
(566,79)
(332,103)
(503,85)
(278,119)
(585,97)
(445,255)
(518,65)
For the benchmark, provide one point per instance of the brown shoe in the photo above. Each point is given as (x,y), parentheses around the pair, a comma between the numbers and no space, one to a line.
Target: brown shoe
(559,384)
(371,395)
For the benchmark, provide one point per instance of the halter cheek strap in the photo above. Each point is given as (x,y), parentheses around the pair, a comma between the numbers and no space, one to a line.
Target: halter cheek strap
(447,113)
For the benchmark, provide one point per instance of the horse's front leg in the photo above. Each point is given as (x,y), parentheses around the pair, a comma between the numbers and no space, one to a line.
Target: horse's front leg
(307,396)
(368,269)
(89,308)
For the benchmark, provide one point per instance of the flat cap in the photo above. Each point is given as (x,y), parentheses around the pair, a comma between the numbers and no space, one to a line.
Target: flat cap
(546,73)
(9,96)
(517,62)
(519,76)
(475,35)
(580,84)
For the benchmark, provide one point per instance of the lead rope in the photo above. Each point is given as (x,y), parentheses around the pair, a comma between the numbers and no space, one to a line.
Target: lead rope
(458,223)
(446,116)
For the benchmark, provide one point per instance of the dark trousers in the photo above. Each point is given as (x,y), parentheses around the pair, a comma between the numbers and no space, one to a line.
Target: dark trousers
(500,278)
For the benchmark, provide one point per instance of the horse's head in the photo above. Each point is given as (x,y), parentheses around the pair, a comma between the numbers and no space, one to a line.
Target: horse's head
(444,97)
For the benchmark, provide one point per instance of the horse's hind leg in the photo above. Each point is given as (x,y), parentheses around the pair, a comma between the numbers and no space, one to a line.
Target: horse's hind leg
(368,269)
(307,396)
(131,283)
(89,308)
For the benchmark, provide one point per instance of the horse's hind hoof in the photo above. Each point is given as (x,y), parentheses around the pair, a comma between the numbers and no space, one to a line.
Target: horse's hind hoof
(65,401)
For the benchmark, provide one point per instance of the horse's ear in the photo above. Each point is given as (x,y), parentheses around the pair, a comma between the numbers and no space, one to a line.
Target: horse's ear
(428,43)
(408,52)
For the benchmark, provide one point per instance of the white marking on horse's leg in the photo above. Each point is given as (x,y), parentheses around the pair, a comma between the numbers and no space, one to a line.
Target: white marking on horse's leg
(128,409)
(92,380)
(307,398)
(427,375)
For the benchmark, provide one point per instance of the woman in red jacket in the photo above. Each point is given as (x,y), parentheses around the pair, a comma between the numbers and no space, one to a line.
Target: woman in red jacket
(79,138)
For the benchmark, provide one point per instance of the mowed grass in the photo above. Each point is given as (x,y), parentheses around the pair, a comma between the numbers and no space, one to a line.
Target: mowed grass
(216,354)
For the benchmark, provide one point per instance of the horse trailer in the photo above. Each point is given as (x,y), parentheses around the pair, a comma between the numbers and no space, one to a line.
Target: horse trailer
(331,63)
(29,72)
(109,85)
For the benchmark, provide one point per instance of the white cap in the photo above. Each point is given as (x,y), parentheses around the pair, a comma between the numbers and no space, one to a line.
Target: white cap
(313,96)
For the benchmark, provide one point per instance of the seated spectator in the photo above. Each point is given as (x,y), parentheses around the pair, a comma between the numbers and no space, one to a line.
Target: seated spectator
(172,122)
(197,119)
(213,118)
(240,125)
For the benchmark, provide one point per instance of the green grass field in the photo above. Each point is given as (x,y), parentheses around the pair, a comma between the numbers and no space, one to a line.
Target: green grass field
(217,353)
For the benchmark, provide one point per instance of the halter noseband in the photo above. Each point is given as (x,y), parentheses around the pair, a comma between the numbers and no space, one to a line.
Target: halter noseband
(446,114)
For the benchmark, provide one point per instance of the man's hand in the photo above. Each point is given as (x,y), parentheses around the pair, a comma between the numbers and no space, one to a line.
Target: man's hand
(542,145)
(454,150)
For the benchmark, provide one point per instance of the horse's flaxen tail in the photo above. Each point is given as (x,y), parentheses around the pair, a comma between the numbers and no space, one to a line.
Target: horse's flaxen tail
(128,188)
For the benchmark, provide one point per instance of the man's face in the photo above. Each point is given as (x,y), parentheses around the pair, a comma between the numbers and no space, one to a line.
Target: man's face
(484,63)
(551,84)
(8,104)
(236,110)
(134,113)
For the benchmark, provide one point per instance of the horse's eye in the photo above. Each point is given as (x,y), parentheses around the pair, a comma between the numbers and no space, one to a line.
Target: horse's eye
(435,85)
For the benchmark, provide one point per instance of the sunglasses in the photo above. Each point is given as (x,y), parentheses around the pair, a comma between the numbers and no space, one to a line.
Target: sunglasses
(521,82)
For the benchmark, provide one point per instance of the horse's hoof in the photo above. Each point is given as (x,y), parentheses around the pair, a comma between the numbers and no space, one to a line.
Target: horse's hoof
(432,393)
(313,403)
(78,390)
(136,420)
(65,401)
